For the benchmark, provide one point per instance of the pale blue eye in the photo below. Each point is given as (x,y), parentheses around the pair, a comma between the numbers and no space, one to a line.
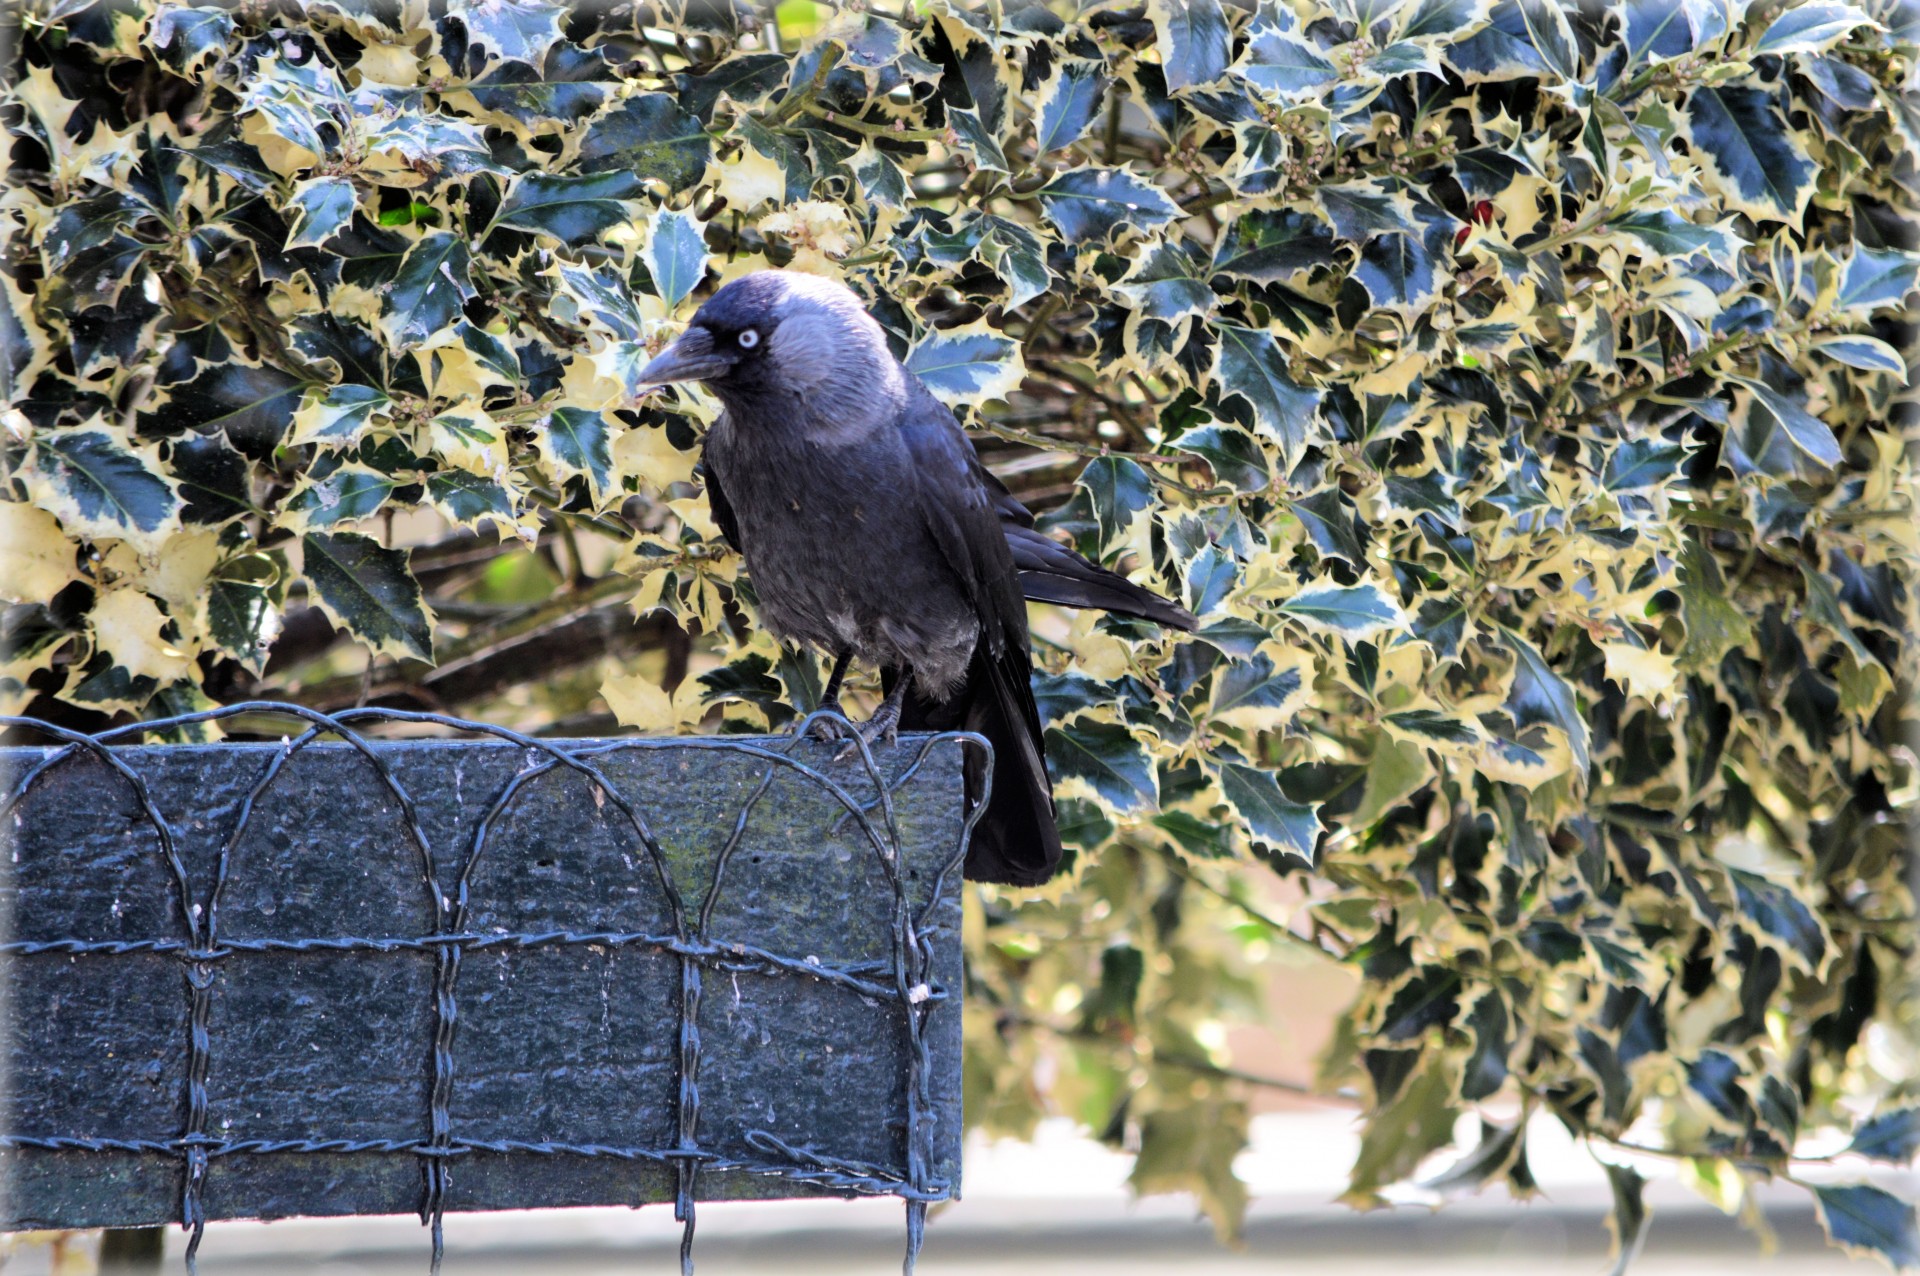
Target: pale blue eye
(749,339)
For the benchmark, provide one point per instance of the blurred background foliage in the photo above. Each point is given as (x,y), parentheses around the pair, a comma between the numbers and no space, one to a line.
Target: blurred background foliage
(1520,394)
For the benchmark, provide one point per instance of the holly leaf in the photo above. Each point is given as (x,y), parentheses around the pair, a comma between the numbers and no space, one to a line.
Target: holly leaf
(1068,101)
(428,292)
(1538,695)
(573,210)
(1278,824)
(967,364)
(1089,204)
(1892,1136)
(675,254)
(1253,366)
(1747,153)
(1863,1219)
(1106,757)
(1808,28)
(1353,613)
(648,137)
(337,416)
(1193,41)
(100,487)
(1119,490)
(578,442)
(321,208)
(369,591)
(348,494)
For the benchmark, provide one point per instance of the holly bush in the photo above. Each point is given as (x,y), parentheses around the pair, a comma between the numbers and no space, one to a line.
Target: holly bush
(1517,393)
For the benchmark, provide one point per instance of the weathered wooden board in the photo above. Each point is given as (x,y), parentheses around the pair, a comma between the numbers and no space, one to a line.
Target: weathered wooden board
(558,1014)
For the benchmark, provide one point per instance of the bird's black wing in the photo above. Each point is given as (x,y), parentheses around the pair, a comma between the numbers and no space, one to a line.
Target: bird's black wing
(717,503)
(1016,839)
(1052,573)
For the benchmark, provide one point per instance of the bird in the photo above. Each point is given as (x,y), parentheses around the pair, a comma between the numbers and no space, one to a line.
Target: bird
(871,531)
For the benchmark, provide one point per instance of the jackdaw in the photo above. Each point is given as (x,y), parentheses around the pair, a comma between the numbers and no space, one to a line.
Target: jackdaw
(871,530)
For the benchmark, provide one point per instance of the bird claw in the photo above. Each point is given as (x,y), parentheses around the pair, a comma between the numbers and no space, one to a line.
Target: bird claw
(882,728)
(827,730)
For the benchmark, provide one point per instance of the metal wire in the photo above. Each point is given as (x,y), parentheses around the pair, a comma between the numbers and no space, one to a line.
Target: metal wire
(902,983)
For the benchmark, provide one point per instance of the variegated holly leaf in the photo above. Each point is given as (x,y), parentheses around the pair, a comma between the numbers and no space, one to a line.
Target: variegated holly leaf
(99,486)
(675,254)
(369,591)
(967,365)
(649,137)
(1351,612)
(338,416)
(1747,151)
(1089,204)
(1067,104)
(577,443)
(573,210)
(433,283)
(1253,367)
(321,208)
(1279,826)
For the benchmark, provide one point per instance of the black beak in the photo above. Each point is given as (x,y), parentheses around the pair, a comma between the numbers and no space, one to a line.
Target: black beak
(690,358)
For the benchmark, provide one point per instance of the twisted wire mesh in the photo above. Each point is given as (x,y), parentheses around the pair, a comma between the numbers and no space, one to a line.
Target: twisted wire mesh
(901,984)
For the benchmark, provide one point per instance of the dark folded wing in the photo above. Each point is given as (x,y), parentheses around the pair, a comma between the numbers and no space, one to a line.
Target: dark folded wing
(1052,573)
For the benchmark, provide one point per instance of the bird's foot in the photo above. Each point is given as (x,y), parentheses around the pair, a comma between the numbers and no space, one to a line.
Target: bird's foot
(882,728)
(828,729)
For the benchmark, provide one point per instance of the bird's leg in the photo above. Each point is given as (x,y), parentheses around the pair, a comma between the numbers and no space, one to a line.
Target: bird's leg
(826,729)
(884,725)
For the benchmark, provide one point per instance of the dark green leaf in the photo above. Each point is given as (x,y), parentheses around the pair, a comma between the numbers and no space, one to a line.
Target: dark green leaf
(1863,1219)
(1107,757)
(1808,28)
(1353,613)
(1285,64)
(1274,246)
(580,442)
(1234,454)
(321,207)
(1281,825)
(1629,1218)
(1329,520)
(650,137)
(977,141)
(370,591)
(350,493)
(1876,277)
(574,210)
(1193,42)
(1892,1136)
(1398,272)
(1067,104)
(189,36)
(1119,489)
(1087,204)
(963,365)
(467,498)
(1539,695)
(101,489)
(427,294)
(1780,914)
(1639,464)
(1253,366)
(1738,132)
(517,30)
(675,255)
(86,225)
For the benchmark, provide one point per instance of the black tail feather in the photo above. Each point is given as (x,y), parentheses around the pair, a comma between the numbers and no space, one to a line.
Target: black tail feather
(1052,573)
(1016,841)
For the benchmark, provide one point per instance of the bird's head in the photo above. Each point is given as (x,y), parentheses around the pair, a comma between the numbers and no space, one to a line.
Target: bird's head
(779,335)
